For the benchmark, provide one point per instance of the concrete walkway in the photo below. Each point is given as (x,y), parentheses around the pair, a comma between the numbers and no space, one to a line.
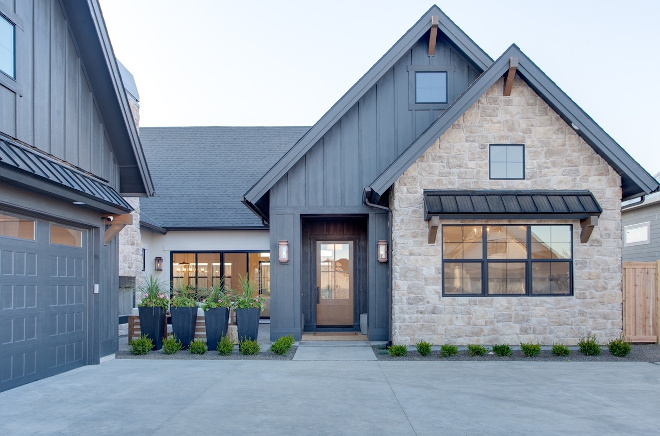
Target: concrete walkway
(332,397)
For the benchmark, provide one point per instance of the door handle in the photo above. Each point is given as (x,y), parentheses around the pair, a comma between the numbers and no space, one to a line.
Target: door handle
(318,295)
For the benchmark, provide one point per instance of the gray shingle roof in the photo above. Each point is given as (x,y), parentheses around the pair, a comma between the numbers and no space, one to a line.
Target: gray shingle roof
(201,173)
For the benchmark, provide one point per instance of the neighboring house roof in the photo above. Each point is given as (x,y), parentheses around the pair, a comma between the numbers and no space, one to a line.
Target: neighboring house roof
(635,180)
(201,173)
(34,169)
(456,36)
(93,43)
(485,204)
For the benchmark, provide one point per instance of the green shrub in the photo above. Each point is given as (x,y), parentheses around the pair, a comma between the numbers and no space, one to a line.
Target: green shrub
(142,345)
(398,350)
(448,350)
(249,347)
(198,347)
(502,350)
(282,345)
(225,346)
(560,350)
(171,345)
(589,346)
(477,350)
(423,348)
(530,350)
(619,347)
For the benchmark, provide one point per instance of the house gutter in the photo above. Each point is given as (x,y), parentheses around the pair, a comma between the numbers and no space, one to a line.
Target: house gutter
(366,194)
(637,203)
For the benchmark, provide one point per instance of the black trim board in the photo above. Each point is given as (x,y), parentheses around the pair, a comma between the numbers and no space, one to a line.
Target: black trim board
(463,43)
(636,180)
(92,40)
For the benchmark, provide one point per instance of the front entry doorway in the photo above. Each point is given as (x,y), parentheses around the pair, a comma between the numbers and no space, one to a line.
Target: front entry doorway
(334,273)
(334,284)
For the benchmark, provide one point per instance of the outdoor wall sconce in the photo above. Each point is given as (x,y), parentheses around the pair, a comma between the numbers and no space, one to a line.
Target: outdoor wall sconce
(283,250)
(159,264)
(382,251)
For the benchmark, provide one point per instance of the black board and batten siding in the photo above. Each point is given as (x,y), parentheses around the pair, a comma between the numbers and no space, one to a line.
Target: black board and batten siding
(329,180)
(55,110)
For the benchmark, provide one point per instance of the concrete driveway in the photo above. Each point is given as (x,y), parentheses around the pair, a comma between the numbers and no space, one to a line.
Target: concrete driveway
(329,397)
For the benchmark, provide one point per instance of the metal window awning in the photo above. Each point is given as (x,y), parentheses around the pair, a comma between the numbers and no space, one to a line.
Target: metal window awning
(36,171)
(496,205)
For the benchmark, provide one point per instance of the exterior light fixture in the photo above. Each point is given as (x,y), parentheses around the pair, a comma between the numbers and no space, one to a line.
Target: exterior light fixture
(159,264)
(283,250)
(382,251)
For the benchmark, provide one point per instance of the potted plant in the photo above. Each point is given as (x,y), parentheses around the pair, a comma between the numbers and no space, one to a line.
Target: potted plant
(248,309)
(184,314)
(216,314)
(152,310)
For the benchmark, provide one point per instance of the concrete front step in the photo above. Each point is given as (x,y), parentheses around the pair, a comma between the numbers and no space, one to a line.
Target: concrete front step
(334,351)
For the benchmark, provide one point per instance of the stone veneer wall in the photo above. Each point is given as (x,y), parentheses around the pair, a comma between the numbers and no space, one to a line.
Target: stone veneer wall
(130,244)
(555,158)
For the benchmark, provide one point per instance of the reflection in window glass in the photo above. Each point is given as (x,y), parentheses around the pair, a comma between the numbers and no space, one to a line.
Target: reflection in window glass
(462,278)
(335,271)
(551,278)
(65,236)
(236,266)
(431,87)
(506,278)
(16,227)
(509,267)
(183,270)
(7,45)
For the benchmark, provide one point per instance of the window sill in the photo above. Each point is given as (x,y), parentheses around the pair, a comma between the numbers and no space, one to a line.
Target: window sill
(11,84)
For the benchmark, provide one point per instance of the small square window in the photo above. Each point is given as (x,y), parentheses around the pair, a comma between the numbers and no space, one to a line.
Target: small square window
(431,87)
(7,58)
(507,161)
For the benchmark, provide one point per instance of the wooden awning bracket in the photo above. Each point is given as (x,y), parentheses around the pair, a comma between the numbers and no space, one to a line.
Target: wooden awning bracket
(114,225)
(587,225)
(434,34)
(508,83)
(434,223)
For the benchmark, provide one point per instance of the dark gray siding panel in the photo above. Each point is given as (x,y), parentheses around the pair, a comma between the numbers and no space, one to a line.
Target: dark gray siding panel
(285,278)
(54,111)
(379,314)
(645,252)
(371,134)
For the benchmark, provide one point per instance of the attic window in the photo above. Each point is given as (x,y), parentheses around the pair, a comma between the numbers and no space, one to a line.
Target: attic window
(7,47)
(430,87)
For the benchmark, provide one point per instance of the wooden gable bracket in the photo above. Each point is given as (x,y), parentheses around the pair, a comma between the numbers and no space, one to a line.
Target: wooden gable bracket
(434,223)
(508,83)
(587,225)
(434,34)
(114,224)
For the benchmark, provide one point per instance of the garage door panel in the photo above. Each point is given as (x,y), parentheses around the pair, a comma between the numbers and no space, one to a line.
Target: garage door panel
(43,307)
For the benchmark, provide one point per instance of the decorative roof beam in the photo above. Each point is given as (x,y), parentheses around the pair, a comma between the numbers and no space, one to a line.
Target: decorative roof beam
(434,34)
(116,224)
(587,225)
(508,84)
(434,223)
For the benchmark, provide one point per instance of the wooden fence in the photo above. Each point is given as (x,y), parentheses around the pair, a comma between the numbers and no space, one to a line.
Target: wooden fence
(641,305)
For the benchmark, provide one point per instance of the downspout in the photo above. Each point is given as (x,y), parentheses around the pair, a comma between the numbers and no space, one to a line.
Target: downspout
(367,192)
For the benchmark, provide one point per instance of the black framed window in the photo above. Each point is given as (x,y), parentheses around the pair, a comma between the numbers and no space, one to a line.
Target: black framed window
(507,161)
(7,47)
(144,259)
(507,260)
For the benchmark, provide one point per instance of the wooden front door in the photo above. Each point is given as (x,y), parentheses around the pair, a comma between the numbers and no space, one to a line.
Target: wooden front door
(334,283)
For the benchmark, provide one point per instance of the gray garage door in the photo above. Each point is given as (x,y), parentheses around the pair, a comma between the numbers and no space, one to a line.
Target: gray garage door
(43,299)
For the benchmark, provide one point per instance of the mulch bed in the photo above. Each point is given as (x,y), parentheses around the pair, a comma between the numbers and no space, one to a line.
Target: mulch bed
(639,353)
